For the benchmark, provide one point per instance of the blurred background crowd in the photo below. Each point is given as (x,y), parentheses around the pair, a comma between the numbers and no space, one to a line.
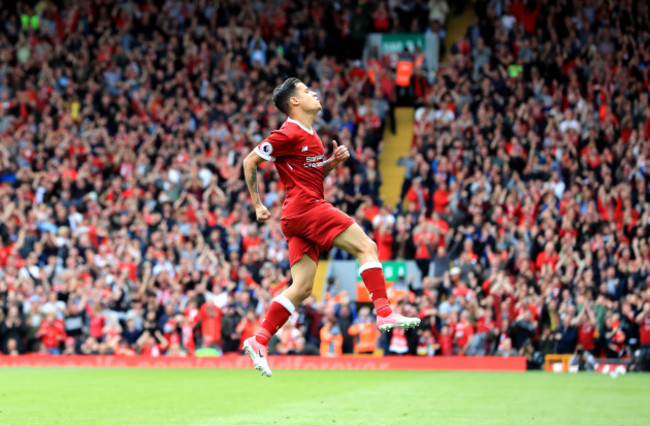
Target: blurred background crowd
(125,224)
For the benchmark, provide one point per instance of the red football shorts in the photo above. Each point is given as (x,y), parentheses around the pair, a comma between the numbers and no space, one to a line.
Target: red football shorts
(314,230)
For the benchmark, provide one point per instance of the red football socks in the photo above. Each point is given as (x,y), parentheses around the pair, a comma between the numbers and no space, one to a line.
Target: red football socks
(279,312)
(373,278)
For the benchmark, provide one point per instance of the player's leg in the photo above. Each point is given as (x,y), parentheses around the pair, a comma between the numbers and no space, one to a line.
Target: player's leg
(331,227)
(303,272)
(356,242)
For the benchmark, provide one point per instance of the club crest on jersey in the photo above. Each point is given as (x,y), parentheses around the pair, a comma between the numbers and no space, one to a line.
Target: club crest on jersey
(266,148)
(304,148)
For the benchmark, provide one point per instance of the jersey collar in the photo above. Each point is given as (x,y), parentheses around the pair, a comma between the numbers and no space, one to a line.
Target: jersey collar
(310,131)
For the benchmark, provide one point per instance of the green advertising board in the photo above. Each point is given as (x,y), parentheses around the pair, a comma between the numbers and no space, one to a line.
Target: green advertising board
(392,270)
(395,43)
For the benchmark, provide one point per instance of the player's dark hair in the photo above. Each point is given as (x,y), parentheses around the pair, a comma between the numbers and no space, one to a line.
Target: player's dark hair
(284,92)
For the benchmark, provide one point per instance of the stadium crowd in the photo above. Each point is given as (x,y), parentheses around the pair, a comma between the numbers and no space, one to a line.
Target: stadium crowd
(529,172)
(126,226)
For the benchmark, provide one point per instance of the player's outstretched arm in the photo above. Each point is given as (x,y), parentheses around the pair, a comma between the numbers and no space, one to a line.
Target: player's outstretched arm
(251,163)
(341,154)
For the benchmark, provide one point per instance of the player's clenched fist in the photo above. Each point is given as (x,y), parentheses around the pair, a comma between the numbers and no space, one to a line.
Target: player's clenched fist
(341,153)
(263,214)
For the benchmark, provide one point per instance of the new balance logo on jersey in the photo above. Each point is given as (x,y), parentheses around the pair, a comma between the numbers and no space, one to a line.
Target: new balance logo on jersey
(304,148)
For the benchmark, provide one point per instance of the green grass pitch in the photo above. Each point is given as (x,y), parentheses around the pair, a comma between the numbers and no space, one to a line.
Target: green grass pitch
(308,397)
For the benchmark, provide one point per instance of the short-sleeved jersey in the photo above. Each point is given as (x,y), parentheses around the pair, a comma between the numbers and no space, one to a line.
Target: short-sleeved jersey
(299,158)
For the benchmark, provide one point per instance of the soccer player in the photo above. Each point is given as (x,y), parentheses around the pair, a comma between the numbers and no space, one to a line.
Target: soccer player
(309,223)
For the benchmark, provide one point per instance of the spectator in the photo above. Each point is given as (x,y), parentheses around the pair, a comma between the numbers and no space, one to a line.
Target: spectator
(643,319)
(230,322)
(587,329)
(130,334)
(313,313)
(417,195)
(463,333)
(582,360)
(51,334)
(70,346)
(74,322)
(12,330)
(567,342)
(90,347)
(446,341)
(365,332)
(486,331)
(248,326)
(304,348)
(152,344)
(210,317)
(12,347)
(33,322)
(614,337)
(330,337)
(523,329)
(548,342)
(427,345)
(344,321)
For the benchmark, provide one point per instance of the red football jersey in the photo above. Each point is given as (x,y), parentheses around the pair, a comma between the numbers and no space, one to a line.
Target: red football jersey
(299,158)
